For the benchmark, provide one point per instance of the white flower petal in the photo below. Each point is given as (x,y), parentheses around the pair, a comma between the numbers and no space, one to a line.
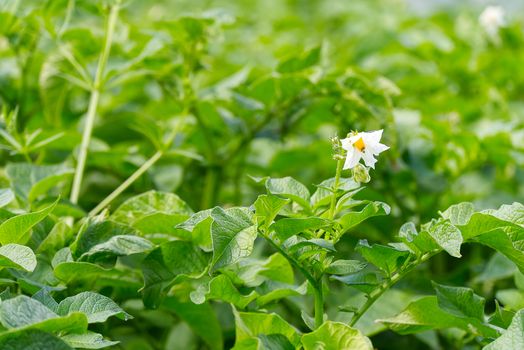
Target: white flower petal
(353,157)
(372,137)
(369,160)
(378,148)
(346,144)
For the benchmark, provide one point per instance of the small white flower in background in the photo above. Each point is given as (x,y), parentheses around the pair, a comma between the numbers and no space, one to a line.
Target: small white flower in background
(363,145)
(492,18)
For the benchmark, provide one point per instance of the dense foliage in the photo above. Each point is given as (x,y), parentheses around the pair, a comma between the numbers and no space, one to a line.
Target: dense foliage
(172,175)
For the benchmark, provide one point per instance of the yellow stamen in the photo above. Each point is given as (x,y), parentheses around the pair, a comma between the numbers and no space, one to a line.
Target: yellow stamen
(359,144)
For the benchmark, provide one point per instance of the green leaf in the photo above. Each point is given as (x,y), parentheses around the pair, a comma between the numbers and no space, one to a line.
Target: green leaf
(31,339)
(165,263)
(305,60)
(459,214)
(87,272)
(16,229)
(460,301)
(267,207)
(120,245)
(272,291)
(148,203)
(17,257)
(322,196)
(201,318)
(221,288)
(287,227)
(334,336)
(345,267)
(89,340)
(386,258)
(250,324)
(30,181)
(95,232)
(98,308)
(233,236)
(59,236)
(24,312)
(352,219)
(6,196)
(425,314)
(513,337)
(364,281)
(513,213)
(499,240)
(448,237)
(288,187)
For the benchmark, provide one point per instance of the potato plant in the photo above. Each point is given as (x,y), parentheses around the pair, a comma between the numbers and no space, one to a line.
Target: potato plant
(175,176)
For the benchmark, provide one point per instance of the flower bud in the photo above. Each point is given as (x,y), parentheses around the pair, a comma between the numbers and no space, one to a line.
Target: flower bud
(361,174)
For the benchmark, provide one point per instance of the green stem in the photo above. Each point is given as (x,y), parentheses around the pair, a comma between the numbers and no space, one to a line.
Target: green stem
(377,293)
(340,164)
(93,103)
(124,185)
(319,305)
(210,187)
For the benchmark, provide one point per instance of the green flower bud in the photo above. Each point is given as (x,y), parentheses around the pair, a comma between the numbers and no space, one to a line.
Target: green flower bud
(361,174)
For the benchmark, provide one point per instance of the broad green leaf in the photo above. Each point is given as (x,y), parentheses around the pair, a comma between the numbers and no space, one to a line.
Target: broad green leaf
(70,271)
(513,337)
(272,291)
(502,317)
(150,203)
(199,225)
(89,340)
(97,307)
(165,263)
(511,298)
(334,336)
(364,281)
(24,312)
(513,213)
(448,237)
(162,223)
(352,219)
(6,196)
(287,227)
(17,257)
(483,223)
(95,232)
(30,181)
(301,62)
(59,236)
(233,236)
(460,301)
(251,324)
(45,298)
(322,196)
(16,229)
(201,318)
(254,272)
(267,207)
(120,245)
(459,214)
(386,258)
(345,267)
(499,240)
(31,339)
(425,314)
(288,187)
(221,288)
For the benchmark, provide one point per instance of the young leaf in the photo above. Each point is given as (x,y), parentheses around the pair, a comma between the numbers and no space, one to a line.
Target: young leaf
(88,340)
(448,237)
(352,219)
(459,214)
(16,229)
(233,235)
(460,301)
(31,339)
(425,314)
(17,257)
(221,288)
(287,227)
(336,335)
(97,307)
(267,207)
(165,263)
(250,324)
(148,203)
(288,187)
(386,258)
(345,267)
(513,337)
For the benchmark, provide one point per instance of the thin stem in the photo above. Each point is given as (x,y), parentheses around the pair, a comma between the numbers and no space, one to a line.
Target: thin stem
(319,305)
(139,172)
(340,164)
(377,293)
(124,185)
(93,103)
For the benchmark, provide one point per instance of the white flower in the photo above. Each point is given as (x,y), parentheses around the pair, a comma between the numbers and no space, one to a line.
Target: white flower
(363,145)
(492,18)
